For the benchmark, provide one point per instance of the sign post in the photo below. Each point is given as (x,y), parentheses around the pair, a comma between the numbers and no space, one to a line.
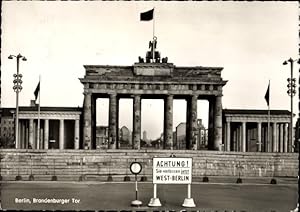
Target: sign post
(136,168)
(172,170)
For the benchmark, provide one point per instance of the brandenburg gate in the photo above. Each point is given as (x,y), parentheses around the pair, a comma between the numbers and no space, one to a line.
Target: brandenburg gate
(155,79)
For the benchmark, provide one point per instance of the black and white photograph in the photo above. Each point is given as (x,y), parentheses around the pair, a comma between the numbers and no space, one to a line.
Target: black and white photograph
(149,106)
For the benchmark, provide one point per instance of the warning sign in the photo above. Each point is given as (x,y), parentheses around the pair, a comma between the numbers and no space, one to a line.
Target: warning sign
(172,170)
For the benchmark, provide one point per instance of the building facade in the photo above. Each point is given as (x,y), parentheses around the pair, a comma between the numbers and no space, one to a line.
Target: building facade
(256,131)
(59,127)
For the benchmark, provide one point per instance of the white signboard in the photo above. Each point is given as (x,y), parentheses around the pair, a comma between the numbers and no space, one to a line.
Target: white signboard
(172,170)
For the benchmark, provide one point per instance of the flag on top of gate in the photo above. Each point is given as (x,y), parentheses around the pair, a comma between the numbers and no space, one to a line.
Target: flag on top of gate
(36,91)
(267,95)
(147,16)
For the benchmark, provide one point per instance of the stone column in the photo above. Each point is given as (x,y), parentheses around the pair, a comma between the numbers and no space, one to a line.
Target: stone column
(61,134)
(31,140)
(211,124)
(285,137)
(26,134)
(243,136)
(192,132)
(34,136)
(87,121)
(275,144)
(235,140)
(259,137)
(42,146)
(218,123)
(269,138)
(136,135)
(290,143)
(168,122)
(46,133)
(76,134)
(281,137)
(240,137)
(112,129)
(93,122)
(21,136)
(228,136)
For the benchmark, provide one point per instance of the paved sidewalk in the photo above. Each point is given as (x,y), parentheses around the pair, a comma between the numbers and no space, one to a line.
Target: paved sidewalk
(90,195)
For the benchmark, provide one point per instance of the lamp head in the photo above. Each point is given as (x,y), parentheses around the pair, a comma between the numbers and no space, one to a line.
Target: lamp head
(284,63)
(10,57)
(24,59)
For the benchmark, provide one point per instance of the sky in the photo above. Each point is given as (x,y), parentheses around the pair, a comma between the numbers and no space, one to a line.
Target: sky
(250,40)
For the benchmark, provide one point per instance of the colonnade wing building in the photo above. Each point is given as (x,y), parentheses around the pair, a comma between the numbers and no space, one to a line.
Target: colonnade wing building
(155,81)
(59,128)
(247,131)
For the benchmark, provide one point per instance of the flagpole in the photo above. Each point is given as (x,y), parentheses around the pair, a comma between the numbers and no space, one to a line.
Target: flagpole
(269,143)
(153,52)
(153,21)
(39,111)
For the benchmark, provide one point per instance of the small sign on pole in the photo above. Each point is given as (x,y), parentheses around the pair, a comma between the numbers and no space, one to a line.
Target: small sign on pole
(136,168)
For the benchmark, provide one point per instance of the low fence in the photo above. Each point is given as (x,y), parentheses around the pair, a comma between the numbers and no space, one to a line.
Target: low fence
(99,164)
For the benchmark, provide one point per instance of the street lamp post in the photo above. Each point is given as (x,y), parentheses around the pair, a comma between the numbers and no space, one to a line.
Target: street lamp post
(17,88)
(291,92)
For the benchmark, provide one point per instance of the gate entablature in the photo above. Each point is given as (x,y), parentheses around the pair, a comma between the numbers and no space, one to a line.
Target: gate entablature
(153,78)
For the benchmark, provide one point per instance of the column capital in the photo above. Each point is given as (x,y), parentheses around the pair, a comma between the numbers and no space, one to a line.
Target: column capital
(113,94)
(87,93)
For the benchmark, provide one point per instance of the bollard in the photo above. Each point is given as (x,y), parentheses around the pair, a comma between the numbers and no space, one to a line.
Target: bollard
(53,178)
(205,179)
(31,178)
(109,178)
(81,177)
(239,180)
(126,178)
(143,179)
(18,177)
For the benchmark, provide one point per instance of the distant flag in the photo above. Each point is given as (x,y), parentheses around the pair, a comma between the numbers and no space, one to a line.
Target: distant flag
(267,95)
(36,91)
(147,16)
